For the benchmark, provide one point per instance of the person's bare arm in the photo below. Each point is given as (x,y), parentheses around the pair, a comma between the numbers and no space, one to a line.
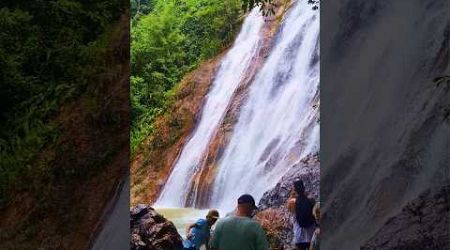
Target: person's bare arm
(188,230)
(291,205)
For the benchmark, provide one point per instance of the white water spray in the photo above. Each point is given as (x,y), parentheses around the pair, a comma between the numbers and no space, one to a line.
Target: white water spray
(232,69)
(277,126)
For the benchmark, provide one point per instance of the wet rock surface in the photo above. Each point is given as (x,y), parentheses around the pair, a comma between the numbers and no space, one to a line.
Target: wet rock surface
(382,146)
(423,224)
(308,171)
(273,214)
(151,231)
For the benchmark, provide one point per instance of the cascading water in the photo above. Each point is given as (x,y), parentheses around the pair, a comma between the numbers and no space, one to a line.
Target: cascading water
(228,77)
(277,126)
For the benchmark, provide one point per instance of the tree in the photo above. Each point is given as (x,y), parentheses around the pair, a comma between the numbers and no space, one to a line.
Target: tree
(167,43)
(266,6)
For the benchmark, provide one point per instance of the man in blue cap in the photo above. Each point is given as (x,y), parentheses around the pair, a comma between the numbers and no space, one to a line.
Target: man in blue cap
(240,231)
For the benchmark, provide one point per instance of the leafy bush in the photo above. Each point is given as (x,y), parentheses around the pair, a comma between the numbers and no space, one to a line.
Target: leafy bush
(48,52)
(140,7)
(169,42)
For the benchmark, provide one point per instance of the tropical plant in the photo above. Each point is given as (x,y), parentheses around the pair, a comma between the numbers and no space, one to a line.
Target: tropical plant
(169,42)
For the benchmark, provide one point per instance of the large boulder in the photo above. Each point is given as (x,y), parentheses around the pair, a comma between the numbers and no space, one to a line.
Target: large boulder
(151,231)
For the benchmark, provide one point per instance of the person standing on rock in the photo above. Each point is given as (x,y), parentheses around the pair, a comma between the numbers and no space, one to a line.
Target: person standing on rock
(304,223)
(198,234)
(240,231)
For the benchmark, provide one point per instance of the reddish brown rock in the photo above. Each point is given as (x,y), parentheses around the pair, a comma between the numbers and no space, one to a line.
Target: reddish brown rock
(152,163)
(203,180)
(277,224)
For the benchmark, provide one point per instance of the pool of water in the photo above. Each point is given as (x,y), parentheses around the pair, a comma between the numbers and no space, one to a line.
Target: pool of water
(182,217)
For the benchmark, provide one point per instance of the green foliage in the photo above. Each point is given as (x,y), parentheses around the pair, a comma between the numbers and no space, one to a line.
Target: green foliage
(267,8)
(169,42)
(140,7)
(47,53)
(264,5)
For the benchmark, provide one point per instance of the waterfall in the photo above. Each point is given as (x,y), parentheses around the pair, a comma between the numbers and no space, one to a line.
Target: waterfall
(227,79)
(277,126)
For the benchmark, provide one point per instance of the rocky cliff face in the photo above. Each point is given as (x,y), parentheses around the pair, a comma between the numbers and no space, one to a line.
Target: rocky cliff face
(274,216)
(423,224)
(151,165)
(385,132)
(308,171)
(151,231)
